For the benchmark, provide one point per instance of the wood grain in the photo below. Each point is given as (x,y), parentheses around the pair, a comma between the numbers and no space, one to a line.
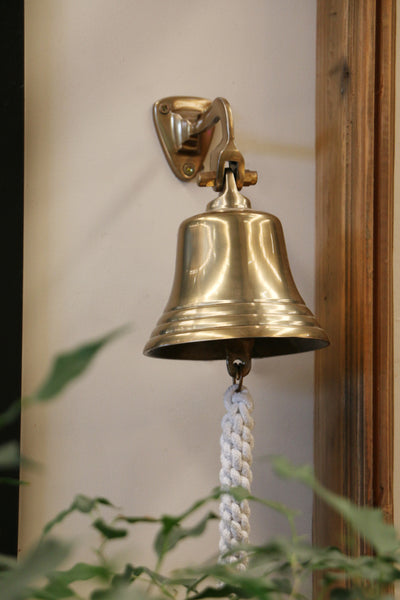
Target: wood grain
(353,439)
(383,259)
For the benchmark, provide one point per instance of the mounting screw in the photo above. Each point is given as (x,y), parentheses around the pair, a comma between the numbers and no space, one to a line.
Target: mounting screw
(188,169)
(164,109)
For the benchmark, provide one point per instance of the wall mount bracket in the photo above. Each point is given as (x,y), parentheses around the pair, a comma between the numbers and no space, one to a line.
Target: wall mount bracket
(185,127)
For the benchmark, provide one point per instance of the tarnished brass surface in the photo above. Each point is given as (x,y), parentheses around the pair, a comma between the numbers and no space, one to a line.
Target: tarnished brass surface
(233,282)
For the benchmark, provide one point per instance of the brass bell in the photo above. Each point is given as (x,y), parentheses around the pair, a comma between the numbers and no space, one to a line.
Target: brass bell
(233,295)
(233,282)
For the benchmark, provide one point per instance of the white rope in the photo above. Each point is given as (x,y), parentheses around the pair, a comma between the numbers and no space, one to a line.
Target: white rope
(236,458)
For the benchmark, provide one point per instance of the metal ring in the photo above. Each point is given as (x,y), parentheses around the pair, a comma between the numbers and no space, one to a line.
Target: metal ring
(238,378)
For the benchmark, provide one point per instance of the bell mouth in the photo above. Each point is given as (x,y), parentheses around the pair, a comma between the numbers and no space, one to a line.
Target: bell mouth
(182,335)
(218,349)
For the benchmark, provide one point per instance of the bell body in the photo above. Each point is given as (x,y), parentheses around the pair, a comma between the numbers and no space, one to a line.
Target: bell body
(233,282)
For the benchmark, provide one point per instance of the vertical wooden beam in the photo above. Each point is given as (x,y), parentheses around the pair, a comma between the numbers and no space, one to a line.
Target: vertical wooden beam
(354,196)
(383,259)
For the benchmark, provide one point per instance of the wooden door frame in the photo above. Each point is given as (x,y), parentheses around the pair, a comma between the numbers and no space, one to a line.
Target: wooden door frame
(353,435)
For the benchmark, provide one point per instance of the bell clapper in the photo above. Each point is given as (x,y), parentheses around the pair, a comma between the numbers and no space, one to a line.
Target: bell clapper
(237,369)
(238,378)
(238,359)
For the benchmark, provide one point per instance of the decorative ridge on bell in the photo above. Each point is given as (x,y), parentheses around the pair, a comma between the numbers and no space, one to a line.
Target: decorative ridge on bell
(233,295)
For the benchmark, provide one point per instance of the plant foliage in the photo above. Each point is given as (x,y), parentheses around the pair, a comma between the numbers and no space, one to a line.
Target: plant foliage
(277,569)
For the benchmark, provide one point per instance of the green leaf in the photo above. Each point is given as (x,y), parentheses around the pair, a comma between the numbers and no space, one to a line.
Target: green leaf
(58,585)
(57,519)
(9,455)
(172,532)
(353,593)
(283,585)
(245,584)
(222,591)
(240,494)
(369,568)
(120,593)
(40,561)
(215,494)
(53,591)
(131,573)
(123,578)
(368,522)
(80,572)
(102,594)
(12,481)
(68,366)
(159,580)
(134,520)
(119,582)
(11,414)
(336,566)
(7,562)
(108,531)
(154,576)
(82,504)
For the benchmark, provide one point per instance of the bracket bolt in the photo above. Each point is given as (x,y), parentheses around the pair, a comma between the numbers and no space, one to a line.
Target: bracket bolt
(188,169)
(164,109)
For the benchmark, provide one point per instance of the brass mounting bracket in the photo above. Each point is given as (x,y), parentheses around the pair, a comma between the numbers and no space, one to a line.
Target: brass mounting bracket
(185,127)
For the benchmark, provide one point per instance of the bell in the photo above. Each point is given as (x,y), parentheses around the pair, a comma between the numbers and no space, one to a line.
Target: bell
(233,292)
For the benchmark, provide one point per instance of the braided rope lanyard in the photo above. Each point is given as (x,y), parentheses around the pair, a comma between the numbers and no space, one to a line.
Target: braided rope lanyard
(236,458)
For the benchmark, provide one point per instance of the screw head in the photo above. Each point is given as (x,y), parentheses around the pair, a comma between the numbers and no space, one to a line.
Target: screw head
(164,109)
(188,169)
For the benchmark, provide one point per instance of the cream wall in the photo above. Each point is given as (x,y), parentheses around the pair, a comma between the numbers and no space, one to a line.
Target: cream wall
(102,212)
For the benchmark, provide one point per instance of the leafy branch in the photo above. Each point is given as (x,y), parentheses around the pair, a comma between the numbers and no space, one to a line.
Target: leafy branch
(277,568)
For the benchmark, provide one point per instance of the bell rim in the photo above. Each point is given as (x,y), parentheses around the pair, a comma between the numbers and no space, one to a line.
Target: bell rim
(211,346)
